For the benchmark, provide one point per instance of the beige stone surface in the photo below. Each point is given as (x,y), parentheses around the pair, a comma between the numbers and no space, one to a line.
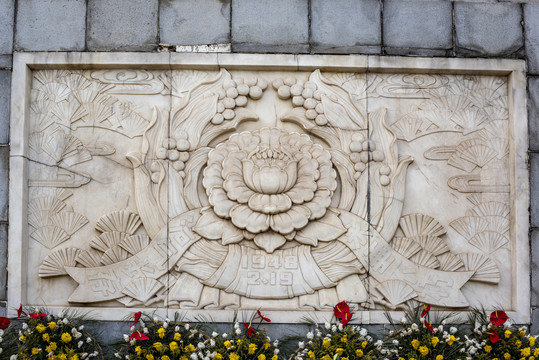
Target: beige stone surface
(210,183)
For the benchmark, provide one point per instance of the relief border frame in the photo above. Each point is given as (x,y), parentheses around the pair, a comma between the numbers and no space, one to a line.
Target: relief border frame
(25,63)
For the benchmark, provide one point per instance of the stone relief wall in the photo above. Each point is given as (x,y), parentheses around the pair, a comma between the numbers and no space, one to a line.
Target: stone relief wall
(224,189)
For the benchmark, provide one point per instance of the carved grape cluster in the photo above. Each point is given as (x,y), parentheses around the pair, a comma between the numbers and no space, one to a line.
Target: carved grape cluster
(303,94)
(364,151)
(235,93)
(173,150)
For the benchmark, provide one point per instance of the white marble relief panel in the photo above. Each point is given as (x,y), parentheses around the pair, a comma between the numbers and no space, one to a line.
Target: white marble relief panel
(228,189)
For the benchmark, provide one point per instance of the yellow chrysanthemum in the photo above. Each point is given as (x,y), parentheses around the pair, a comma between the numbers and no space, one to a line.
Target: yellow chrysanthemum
(238,341)
(518,343)
(344,339)
(424,350)
(177,336)
(252,349)
(267,345)
(157,345)
(532,341)
(22,338)
(164,357)
(218,356)
(261,357)
(452,339)
(401,358)
(41,328)
(364,344)
(62,357)
(344,358)
(507,356)
(411,359)
(326,343)
(46,337)
(53,346)
(536,352)
(521,333)
(439,357)
(227,344)
(66,337)
(234,356)
(274,357)
(183,357)
(531,358)
(74,357)
(310,354)
(173,345)
(507,333)
(52,325)
(48,349)
(415,344)
(35,351)
(339,351)
(359,353)
(161,332)
(495,359)
(138,350)
(326,357)
(435,341)
(488,348)
(525,352)
(149,357)
(190,348)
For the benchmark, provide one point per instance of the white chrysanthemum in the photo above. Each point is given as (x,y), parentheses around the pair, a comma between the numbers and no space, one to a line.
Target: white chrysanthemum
(225,335)
(126,337)
(301,344)
(310,335)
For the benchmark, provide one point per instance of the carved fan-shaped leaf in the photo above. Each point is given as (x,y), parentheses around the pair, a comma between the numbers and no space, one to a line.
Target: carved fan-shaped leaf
(411,125)
(500,145)
(498,224)
(90,258)
(450,262)
(426,258)
(485,269)
(107,240)
(432,244)
(420,225)
(122,221)
(114,255)
(453,103)
(396,291)
(63,194)
(474,198)
(488,241)
(40,218)
(49,203)
(50,236)
(497,128)
(135,243)
(55,91)
(469,119)
(68,112)
(479,154)
(468,226)
(406,247)
(70,221)
(76,82)
(491,208)
(142,289)
(54,263)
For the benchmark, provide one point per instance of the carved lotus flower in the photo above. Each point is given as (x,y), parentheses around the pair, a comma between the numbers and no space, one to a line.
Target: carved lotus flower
(269,186)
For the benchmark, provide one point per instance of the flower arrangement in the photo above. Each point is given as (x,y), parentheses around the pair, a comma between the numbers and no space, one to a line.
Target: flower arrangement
(422,340)
(498,339)
(153,339)
(45,336)
(338,341)
(244,342)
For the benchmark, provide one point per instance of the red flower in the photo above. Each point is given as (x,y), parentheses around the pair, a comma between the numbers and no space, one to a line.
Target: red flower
(37,315)
(342,312)
(262,316)
(428,326)
(250,330)
(498,317)
(494,338)
(19,311)
(137,317)
(426,309)
(4,323)
(139,336)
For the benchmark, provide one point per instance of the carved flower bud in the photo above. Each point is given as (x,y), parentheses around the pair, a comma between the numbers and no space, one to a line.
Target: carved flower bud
(263,84)
(241,100)
(218,119)
(298,101)
(284,92)
(243,89)
(255,93)
(311,114)
(232,93)
(321,120)
(290,81)
(250,81)
(277,83)
(229,114)
(296,89)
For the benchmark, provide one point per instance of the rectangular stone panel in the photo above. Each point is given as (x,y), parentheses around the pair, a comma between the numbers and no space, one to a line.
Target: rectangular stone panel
(214,183)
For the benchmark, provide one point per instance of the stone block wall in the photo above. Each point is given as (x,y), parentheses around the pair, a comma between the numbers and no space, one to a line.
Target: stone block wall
(475,28)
